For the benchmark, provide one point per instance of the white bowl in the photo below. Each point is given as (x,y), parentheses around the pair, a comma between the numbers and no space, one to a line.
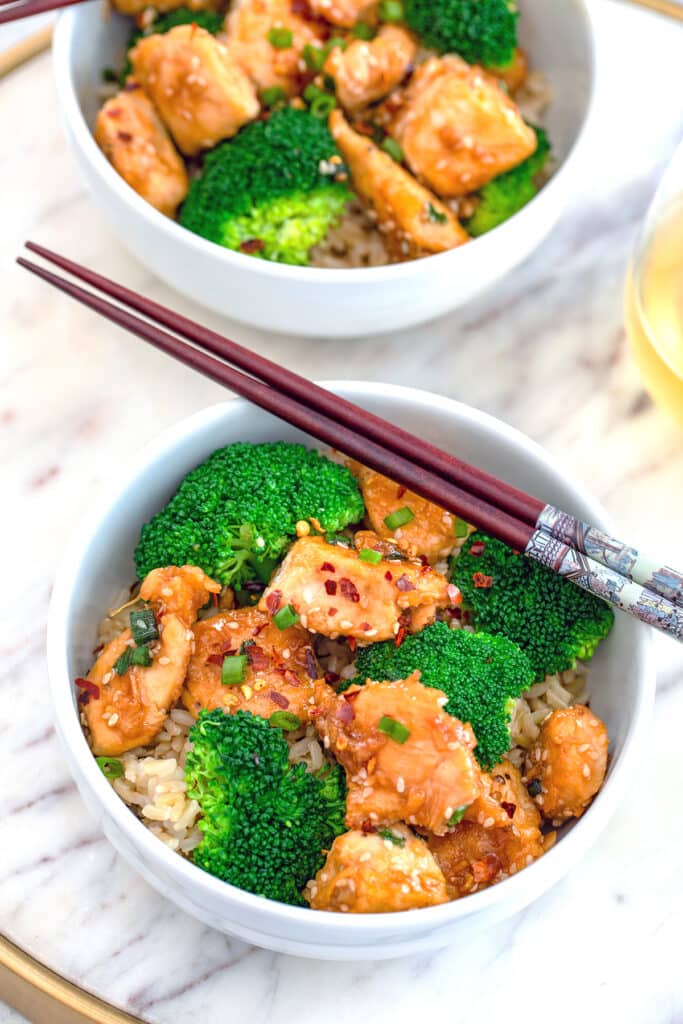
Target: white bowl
(100,562)
(309,301)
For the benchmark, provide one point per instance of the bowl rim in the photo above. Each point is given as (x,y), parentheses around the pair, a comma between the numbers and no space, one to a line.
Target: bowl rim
(172,231)
(184,873)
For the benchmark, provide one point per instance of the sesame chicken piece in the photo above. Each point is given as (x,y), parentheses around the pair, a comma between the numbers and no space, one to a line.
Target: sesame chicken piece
(419,771)
(498,835)
(367,70)
(344,13)
(199,89)
(414,222)
(131,708)
(281,666)
(569,761)
(247,27)
(431,531)
(336,593)
(377,873)
(458,129)
(131,136)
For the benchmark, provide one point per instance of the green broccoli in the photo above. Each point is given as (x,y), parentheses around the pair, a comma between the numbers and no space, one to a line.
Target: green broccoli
(505,195)
(481,675)
(273,191)
(265,823)
(481,31)
(212,21)
(552,620)
(235,514)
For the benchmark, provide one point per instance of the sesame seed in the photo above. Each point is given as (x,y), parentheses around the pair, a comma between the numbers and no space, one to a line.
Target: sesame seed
(113,719)
(405,888)
(586,772)
(400,784)
(164,660)
(346,624)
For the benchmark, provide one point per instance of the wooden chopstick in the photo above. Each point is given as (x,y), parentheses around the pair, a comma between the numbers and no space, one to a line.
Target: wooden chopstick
(19,53)
(12,10)
(666,7)
(566,529)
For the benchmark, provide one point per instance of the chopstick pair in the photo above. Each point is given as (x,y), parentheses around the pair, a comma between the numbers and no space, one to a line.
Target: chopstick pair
(570,547)
(12,10)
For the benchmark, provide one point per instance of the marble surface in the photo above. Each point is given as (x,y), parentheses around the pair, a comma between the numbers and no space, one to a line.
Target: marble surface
(546,352)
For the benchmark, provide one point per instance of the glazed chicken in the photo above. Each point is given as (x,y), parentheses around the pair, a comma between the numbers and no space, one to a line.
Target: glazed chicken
(458,128)
(344,13)
(199,89)
(132,137)
(376,873)
(368,70)
(336,593)
(406,759)
(131,708)
(566,764)
(281,666)
(413,220)
(498,835)
(431,531)
(248,27)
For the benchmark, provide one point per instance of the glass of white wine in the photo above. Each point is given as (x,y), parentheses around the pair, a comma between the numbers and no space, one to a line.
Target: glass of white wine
(654,293)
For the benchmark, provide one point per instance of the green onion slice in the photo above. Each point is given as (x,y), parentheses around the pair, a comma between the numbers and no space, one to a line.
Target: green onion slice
(391,10)
(396,730)
(272,95)
(123,662)
(314,57)
(461,527)
(143,626)
(141,657)
(399,518)
(322,106)
(436,215)
(286,720)
(361,30)
(392,147)
(386,833)
(280,38)
(286,617)
(370,555)
(110,767)
(233,669)
(457,816)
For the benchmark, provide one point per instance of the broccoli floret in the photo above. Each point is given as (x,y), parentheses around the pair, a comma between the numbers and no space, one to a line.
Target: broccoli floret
(505,195)
(272,191)
(481,31)
(265,822)
(235,514)
(212,21)
(481,676)
(553,621)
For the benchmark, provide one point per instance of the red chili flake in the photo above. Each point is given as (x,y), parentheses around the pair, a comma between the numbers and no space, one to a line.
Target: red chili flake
(273,601)
(401,491)
(400,636)
(349,590)
(456,613)
(96,650)
(388,576)
(365,626)
(331,587)
(214,600)
(215,659)
(404,584)
(124,136)
(257,657)
(363,128)
(485,869)
(291,677)
(368,827)
(131,86)
(508,808)
(332,611)
(482,581)
(278,699)
(331,677)
(114,112)
(425,561)
(454,595)
(345,713)
(258,629)
(352,642)
(311,664)
(251,245)
(351,696)
(477,548)
(327,567)
(91,690)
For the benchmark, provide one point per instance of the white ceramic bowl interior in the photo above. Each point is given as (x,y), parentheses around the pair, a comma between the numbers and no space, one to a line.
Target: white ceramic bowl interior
(309,301)
(99,563)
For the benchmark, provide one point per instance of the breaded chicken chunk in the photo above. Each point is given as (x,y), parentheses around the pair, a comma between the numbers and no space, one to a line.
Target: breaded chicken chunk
(377,873)
(406,759)
(280,669)
(344,13)
(368,70)
(131,707)
(413,220)
(335,592)
(458,128)
(566,764)
(199,89)
(130,134)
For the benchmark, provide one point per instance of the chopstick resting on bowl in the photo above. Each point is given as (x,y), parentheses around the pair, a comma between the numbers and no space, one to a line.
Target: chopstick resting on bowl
(12,10)
(571,548)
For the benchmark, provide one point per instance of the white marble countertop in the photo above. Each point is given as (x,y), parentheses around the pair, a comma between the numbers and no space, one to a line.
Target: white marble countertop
(547,352)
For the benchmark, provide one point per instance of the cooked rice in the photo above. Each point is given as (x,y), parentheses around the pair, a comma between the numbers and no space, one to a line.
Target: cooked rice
(354,242)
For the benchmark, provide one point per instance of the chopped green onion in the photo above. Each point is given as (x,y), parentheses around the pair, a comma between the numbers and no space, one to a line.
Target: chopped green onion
(233,669)
(109,75)
(286,617)
(280,38)
(391,10)
(457,816)
(311,92)
(392,147)
(369,555)
(398,518)
(322,106)
(272,95)
(141,657)
(331,43)
(286,720)
(143,626)
(361,30)
(314,57)
(110,767)
(396,730)
(436,215)
(123,662)
(460,526)
(386,833)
